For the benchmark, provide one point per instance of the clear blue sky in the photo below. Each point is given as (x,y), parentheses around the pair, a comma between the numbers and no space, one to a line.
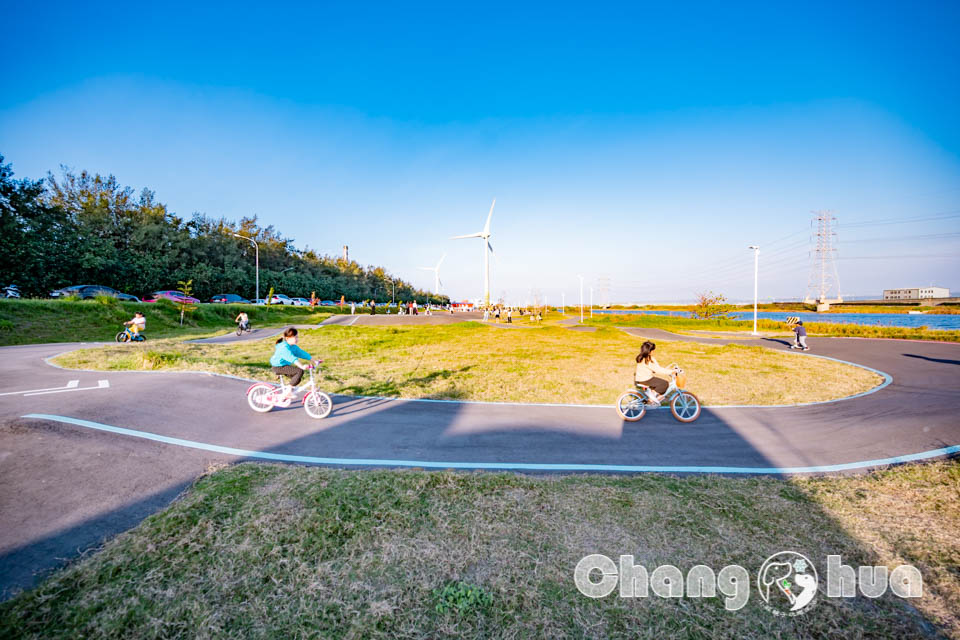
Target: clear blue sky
(645,144)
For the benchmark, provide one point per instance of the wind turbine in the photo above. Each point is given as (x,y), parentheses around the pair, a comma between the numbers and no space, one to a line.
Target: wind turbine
(487,250)
(436,274)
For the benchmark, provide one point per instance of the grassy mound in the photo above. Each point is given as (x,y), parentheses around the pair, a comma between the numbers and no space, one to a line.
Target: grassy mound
(472,361)
(266,551)
(34,321)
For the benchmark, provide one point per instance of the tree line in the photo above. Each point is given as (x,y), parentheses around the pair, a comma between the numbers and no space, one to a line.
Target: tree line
(83,228)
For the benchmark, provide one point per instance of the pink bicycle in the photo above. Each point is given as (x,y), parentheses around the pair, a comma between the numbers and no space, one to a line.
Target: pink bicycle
(263,396)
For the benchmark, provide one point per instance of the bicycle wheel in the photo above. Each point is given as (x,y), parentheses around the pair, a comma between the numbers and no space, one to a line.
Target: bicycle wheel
(239,330)
(630,406)
(317,404)
(685,407)
(259,397)
(123,336)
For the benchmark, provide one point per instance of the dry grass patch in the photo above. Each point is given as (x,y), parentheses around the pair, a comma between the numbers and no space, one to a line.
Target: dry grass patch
(280,551)
(476,362)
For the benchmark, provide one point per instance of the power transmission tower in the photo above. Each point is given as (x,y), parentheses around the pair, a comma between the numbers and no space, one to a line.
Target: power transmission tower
(823,279)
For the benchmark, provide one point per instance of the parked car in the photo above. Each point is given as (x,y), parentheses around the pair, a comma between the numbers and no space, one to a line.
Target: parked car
(330,303)
(87,291)
(228,298)
(279,298)
(173,296)
(260,301)
(300,302)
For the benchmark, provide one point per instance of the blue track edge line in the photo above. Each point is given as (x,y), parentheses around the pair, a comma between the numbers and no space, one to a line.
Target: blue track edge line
(501,466)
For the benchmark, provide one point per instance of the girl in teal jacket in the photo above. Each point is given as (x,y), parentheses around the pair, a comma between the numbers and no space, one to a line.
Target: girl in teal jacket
(286,355)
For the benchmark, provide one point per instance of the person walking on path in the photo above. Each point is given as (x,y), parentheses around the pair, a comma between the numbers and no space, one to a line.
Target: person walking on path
(486,314)
(416,308)
(801,332)
(353,308)
(373,308)
(509,316)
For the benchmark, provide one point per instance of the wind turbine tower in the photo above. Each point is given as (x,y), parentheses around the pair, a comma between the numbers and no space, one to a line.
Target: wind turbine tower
(487,250)
(436,274)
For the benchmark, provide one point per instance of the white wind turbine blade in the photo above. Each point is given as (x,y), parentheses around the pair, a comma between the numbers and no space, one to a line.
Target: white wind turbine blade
(441,261)
(486,227)
(470,235)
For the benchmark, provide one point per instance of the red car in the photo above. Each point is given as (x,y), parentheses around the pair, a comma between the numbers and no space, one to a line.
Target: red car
(173,296)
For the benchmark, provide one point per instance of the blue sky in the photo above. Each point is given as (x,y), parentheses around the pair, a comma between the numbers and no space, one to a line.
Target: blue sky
(644,146)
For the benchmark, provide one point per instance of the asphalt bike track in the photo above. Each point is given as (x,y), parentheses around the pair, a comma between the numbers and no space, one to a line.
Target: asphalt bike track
(110,448)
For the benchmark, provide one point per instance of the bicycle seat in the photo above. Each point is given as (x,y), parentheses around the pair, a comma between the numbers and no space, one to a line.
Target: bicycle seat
(641,386)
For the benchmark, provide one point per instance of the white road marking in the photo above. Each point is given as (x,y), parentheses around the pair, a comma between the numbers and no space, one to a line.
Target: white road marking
(70,385)
(101,384)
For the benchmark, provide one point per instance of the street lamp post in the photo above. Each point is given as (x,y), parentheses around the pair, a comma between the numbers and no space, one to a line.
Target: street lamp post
(257,247)
(581,299)
(591,302)
(563,304)
(756,275)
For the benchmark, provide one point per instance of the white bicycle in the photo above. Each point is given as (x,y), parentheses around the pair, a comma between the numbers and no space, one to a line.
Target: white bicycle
(685,407)
(263,396)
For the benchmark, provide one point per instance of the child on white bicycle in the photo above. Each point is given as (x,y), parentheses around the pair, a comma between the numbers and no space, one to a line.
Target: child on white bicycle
(649,372)
(286,357)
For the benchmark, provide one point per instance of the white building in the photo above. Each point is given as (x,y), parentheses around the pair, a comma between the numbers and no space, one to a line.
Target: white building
(920,293)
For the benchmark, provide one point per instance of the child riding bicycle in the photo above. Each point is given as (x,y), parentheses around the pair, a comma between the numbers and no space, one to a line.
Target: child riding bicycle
(286,357)
(649,373)
(137,324)
(243,320)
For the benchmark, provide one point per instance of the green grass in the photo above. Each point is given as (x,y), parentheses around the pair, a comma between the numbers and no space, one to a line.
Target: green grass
(797,306)
(268,551)
(813,328)
(473,361)
(36,321)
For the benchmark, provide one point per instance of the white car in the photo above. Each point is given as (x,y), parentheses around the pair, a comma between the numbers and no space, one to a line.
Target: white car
(300,302)
(279,298)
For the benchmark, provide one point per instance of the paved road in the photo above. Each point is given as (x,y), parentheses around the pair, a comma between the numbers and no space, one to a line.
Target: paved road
(64,488)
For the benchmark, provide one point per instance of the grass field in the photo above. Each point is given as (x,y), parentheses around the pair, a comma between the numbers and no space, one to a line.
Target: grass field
(813,328)
(472,361)
(264,551)
(35,321)
(834,308)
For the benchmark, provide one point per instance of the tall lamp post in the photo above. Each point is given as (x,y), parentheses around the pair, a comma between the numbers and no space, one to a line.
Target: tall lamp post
(591,302)
(257,247)
(756,275)
(581,299)
(563,303)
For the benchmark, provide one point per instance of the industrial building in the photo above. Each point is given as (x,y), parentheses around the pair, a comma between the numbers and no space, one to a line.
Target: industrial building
(919,293)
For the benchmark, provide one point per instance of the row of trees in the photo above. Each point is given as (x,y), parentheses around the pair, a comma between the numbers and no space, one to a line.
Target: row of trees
(88,229)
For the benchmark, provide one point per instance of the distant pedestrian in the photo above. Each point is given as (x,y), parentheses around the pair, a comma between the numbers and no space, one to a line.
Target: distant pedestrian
(353,308)
(509,316)
(416,308)
(486,314)
(801,332)
(496,315)
(373,308)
